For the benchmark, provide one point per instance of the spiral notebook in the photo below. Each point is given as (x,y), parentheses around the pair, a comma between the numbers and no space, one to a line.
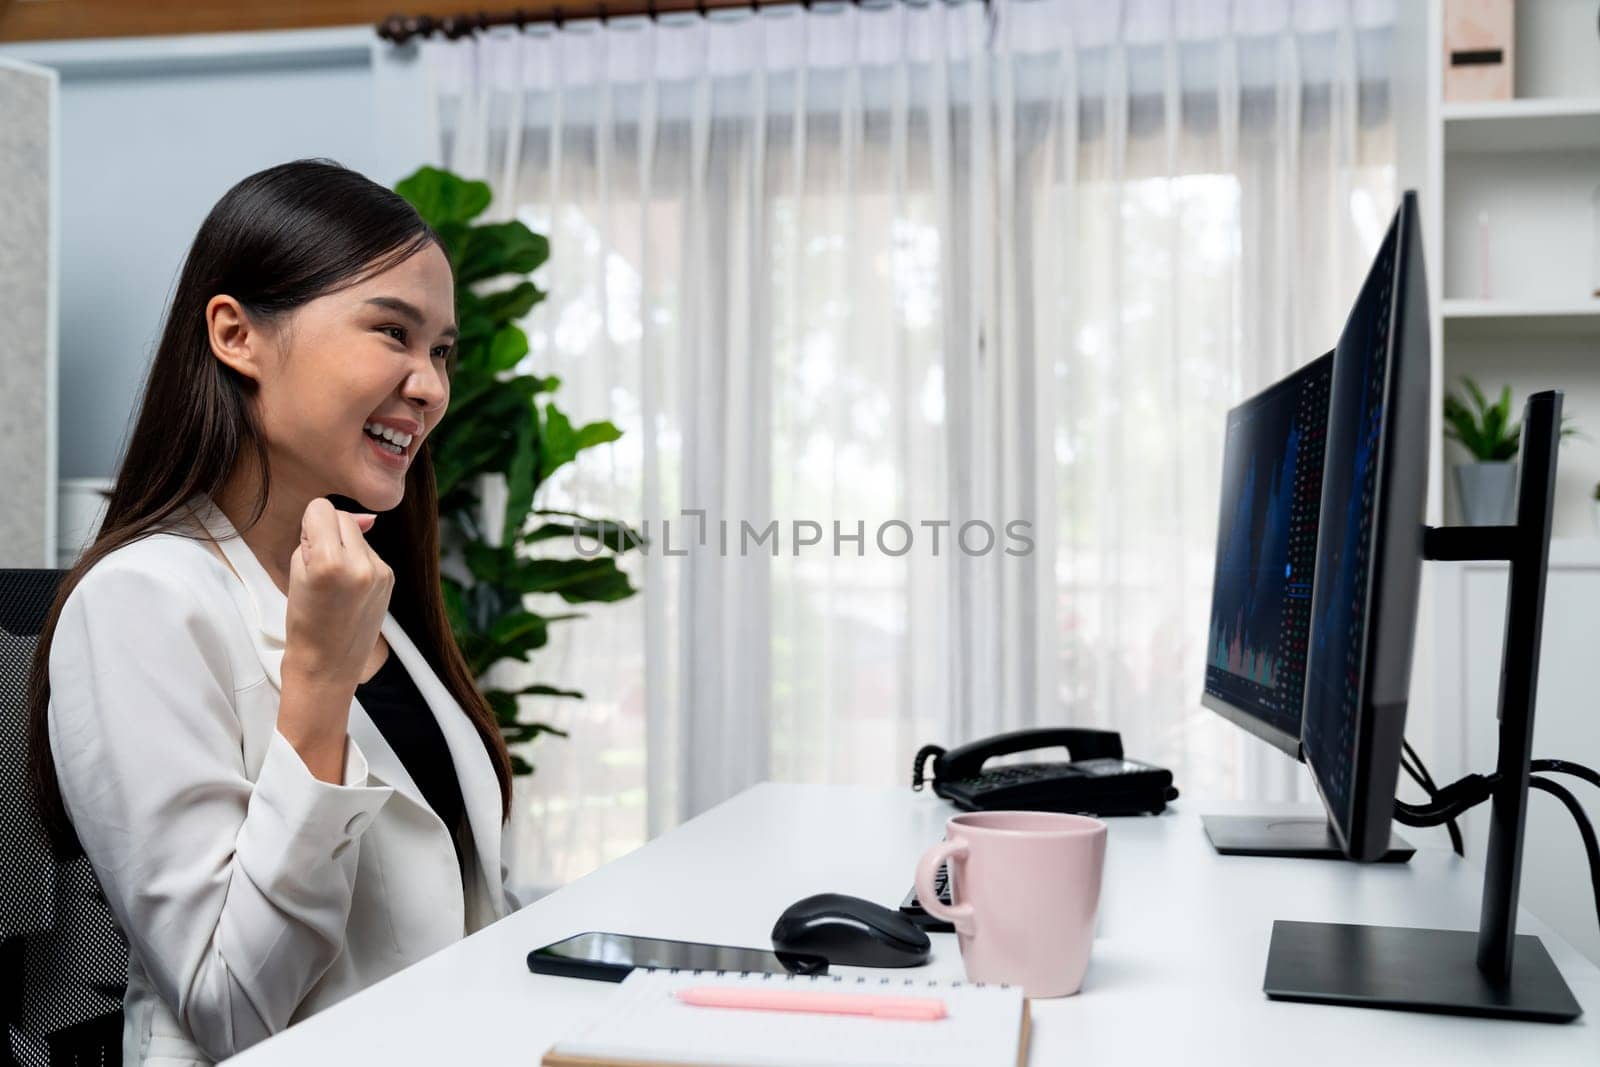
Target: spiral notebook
(644,1025)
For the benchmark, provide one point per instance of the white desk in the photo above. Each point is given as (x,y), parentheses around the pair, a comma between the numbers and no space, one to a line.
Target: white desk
(1175,977)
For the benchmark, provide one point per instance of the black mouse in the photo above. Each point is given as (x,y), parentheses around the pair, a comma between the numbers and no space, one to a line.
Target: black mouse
(850,932)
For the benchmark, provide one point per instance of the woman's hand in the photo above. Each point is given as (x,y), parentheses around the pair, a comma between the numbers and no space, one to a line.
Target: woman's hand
(338,593)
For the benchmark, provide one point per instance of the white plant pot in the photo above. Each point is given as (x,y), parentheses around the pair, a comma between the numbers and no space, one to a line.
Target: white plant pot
(1488,493)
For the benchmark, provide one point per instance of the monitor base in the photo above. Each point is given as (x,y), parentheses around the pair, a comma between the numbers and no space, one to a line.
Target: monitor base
(1286,836)
(1403,969)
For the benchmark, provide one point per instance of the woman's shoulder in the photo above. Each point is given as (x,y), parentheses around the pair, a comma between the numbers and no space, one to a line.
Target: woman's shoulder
(177,561)
(165,552)
(164,595)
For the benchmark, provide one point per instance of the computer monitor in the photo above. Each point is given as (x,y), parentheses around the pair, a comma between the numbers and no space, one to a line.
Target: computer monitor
(1371,542)
(1266,556)
(1370,546)
(1272,460)
(1261,596)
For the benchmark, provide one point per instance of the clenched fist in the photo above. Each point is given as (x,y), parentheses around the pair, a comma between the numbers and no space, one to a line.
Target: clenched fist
(338,593)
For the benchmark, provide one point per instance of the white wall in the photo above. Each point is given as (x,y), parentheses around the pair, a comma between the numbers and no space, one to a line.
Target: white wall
(1555,50)
(153,131)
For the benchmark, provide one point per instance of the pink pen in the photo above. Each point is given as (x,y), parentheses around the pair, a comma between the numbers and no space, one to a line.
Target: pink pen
(921,1009)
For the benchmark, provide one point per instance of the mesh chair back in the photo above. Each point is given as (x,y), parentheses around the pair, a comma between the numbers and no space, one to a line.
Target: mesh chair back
(57,934)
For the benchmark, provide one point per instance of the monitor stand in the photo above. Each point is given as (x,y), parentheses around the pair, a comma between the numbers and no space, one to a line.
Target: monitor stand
(1412,970)
(1492,971)
(1286,836)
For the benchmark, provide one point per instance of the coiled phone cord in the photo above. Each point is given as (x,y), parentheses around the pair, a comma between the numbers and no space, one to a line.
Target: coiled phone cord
(923,754)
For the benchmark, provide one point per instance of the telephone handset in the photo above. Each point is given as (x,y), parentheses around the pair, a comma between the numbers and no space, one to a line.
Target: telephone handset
(1095,780)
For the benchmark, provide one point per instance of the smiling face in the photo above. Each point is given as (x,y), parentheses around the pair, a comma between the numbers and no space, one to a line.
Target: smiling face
(351,383)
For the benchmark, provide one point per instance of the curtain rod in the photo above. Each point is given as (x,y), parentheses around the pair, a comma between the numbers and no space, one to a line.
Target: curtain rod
(402,28)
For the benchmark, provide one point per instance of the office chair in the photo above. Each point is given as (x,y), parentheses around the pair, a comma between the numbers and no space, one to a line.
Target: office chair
(63,959)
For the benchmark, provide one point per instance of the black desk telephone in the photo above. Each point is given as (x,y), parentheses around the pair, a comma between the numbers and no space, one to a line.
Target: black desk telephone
(1097,781)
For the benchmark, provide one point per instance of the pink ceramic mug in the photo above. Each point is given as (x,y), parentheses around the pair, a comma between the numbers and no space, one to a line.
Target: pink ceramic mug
(1025,886)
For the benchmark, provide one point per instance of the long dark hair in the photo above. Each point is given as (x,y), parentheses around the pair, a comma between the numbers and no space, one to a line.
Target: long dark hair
(275,241)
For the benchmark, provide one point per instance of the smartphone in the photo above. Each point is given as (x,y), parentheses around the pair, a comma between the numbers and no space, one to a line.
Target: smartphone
(609,957)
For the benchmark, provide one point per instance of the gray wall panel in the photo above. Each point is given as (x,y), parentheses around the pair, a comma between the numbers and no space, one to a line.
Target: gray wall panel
(27,348)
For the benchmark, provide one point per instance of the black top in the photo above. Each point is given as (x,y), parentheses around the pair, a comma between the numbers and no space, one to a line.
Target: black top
(391,699)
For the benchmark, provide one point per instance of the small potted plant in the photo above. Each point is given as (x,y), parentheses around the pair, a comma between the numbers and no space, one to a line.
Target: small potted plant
(1487,487)
(1597,509)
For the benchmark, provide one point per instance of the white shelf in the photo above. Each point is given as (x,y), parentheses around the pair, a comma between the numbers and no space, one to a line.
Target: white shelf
(1466,319)
(1537,125)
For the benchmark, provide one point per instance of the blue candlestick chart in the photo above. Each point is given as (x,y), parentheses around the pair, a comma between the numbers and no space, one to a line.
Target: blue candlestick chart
(1254,574)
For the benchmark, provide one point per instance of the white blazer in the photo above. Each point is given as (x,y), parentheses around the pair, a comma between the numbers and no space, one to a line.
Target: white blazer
(252,893)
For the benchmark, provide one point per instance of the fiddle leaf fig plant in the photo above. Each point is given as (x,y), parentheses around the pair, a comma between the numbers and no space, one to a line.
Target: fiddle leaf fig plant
(503,422)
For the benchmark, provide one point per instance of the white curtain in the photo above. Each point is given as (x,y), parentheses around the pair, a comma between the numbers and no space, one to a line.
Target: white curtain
(920,271)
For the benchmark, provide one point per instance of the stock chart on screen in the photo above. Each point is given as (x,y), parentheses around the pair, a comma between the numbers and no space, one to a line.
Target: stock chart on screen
(1266,547)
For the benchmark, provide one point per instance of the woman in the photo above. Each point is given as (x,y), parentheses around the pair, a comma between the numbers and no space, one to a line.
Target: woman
(247,705)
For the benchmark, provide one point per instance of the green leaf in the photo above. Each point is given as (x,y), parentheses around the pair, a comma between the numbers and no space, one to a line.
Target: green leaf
(441,197)
(464,395)
(1509,441)
(513,636)
(500,248)
(1478,400)
(511,304)
(1493,430)
(504,706)
(608,587)
(454,608)
(520,766)
(562,443)
(481,435)
(452,469)
(508,346)
(520,480)
(523,732)
(574,580)
(466,447)
(487,563)
(549,691)
(476,323)
(1485,430)
(608,533)
(517,626)
(468,385)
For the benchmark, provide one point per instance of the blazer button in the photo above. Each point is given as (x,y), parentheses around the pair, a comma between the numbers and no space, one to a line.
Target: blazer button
(358,822)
